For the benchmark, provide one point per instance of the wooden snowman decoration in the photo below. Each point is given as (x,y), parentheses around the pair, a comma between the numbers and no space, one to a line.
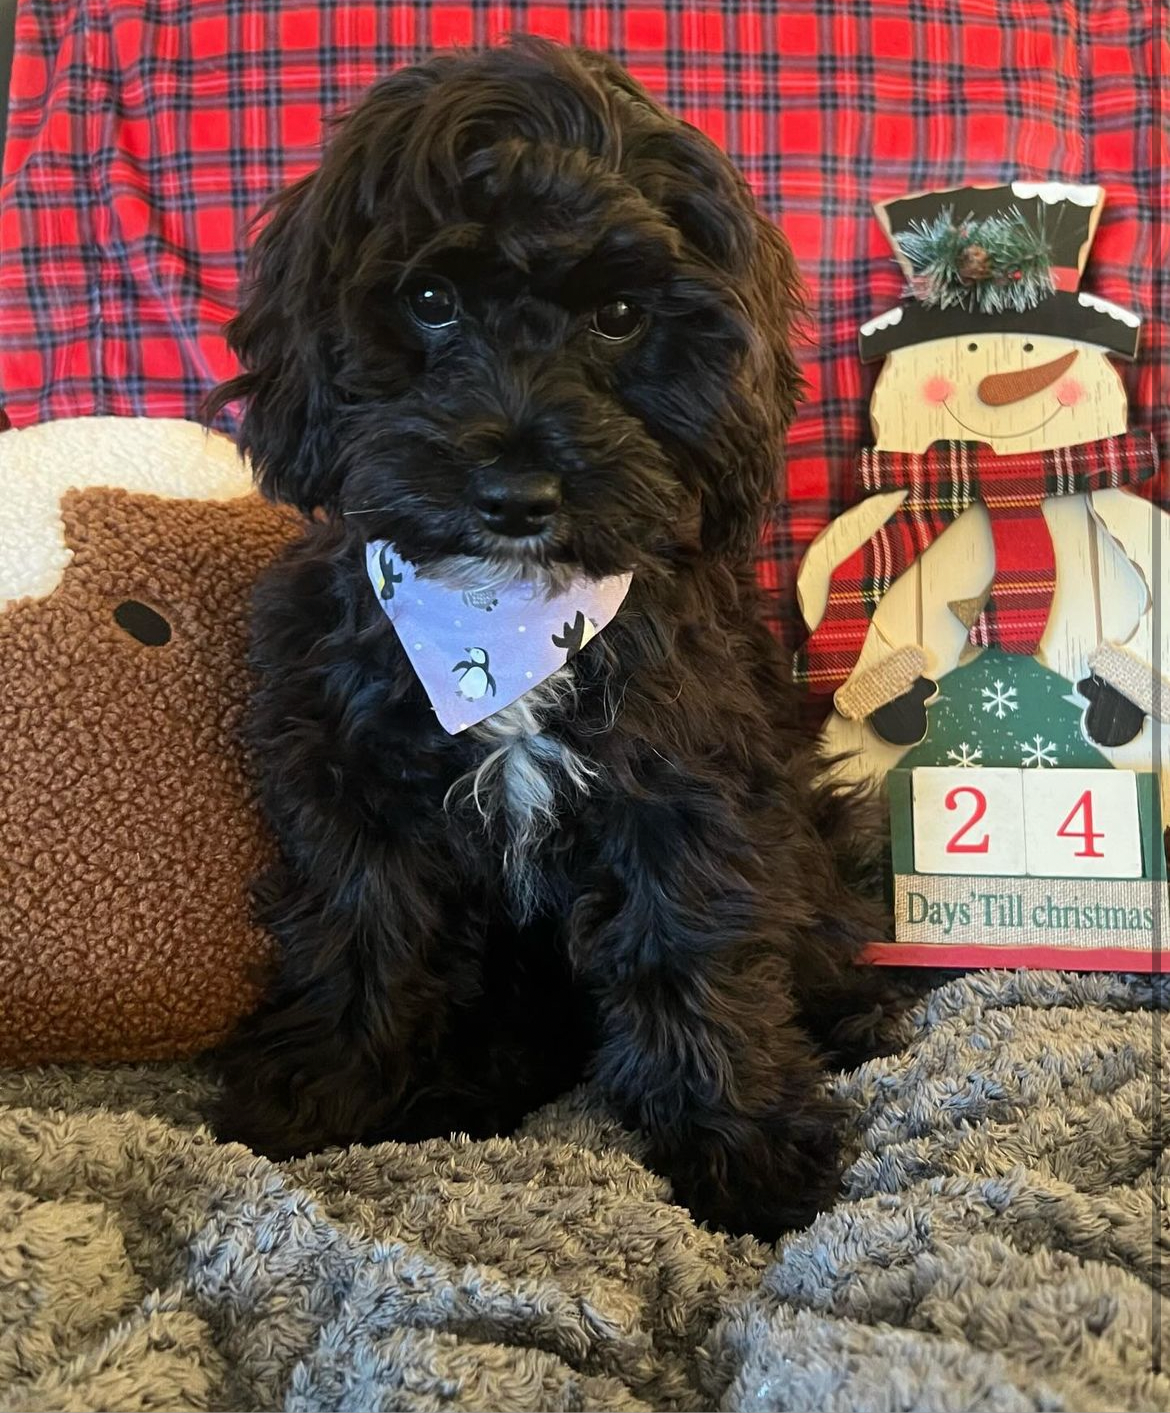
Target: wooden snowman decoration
(996,601)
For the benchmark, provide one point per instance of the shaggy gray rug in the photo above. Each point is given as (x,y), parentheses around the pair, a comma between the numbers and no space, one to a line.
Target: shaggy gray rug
(997,1245)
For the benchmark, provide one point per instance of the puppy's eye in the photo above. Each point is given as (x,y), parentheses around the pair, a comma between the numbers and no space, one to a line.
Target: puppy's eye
(431,302)
(617,321)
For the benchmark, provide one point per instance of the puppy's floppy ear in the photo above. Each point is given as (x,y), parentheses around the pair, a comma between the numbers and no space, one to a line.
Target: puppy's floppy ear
(691,179)
(736,502)
(286,382)
(305,273)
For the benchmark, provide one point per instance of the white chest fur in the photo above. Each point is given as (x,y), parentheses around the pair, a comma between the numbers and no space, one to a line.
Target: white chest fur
(526,777)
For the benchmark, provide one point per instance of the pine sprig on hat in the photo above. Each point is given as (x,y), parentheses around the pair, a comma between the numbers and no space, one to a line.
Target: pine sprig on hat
(984,266)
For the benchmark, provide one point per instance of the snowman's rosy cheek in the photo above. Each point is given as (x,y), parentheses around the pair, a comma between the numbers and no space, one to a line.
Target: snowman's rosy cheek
(1069,392)
(936,390)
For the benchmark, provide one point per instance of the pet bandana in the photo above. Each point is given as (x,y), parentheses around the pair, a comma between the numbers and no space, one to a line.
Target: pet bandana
(475,651)
(941,483)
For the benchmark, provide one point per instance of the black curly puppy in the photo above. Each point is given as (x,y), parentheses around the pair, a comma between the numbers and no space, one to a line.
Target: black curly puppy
(523,324)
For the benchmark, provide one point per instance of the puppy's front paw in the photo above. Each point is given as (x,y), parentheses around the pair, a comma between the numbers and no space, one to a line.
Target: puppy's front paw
(762,1178)
(284,1103)
(267,1118)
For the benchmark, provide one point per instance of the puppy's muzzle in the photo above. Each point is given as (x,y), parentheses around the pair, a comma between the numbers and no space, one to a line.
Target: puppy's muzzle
(516,503)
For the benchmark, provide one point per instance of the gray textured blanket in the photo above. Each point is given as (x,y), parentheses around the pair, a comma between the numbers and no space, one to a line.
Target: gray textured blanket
(997,1245)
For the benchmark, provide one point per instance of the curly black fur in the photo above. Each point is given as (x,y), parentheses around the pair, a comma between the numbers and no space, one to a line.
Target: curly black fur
(704,898)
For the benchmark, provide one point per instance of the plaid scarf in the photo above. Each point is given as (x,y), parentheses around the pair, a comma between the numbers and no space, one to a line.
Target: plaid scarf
(941,483)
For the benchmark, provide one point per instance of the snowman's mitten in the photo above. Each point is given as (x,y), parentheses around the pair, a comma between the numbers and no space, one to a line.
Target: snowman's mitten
(904,721)
(1111,719)
(1133,678)
(868,691)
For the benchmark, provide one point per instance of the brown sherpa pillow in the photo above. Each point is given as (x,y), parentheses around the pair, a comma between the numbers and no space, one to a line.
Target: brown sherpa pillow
(128,832)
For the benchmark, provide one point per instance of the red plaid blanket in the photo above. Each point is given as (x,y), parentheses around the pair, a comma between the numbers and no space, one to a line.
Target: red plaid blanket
(143,135)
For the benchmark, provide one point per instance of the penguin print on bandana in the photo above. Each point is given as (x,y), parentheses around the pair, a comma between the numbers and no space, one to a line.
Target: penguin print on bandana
(477,680)
(477,649)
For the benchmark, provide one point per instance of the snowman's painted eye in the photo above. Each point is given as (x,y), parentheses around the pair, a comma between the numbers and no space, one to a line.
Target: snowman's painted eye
(971,347)
(1028,347)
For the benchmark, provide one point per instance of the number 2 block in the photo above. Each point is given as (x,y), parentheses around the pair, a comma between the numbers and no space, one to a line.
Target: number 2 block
(1082,824)
(968,821)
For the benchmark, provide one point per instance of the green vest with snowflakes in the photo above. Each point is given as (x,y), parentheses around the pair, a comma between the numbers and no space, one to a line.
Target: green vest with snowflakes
(1005,709)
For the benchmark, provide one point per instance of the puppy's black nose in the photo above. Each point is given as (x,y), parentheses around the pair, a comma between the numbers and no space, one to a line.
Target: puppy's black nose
(517,503)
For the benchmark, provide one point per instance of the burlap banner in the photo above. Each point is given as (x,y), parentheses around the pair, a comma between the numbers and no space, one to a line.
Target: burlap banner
(1056,912)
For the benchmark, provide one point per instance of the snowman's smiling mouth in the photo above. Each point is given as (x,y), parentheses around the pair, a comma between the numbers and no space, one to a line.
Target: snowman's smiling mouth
(1006,436)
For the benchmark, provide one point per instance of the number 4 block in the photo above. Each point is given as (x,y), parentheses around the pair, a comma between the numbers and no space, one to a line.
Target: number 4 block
(1082,824)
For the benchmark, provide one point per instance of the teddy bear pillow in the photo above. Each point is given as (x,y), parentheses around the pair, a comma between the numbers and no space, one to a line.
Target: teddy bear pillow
(128,832)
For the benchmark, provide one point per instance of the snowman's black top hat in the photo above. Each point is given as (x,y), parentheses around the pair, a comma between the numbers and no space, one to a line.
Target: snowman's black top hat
(1000,258)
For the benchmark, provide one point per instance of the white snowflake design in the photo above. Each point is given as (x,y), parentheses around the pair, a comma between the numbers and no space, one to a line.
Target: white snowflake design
(967,757)
(1037,752)
(1000,699)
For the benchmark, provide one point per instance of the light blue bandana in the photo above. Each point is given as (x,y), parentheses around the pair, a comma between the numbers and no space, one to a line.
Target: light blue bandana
(476,650)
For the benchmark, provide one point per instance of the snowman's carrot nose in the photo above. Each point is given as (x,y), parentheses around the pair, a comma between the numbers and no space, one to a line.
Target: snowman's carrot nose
(998,389)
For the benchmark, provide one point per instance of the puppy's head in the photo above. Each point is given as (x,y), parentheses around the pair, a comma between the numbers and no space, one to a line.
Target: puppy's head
(522,315)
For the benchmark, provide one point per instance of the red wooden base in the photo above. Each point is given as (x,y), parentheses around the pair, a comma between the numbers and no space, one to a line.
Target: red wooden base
(967,956)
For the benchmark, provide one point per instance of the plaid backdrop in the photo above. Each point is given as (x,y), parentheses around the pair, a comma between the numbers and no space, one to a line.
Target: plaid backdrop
(143,135)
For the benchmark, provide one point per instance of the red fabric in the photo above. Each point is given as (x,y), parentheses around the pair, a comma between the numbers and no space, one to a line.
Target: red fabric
(940,484)
(144,133)
(1025,575)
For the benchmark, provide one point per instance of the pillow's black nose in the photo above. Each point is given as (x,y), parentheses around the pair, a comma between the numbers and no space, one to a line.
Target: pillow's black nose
(518,503)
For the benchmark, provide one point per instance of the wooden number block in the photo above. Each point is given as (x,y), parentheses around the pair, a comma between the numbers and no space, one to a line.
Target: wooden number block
(1082,824)
(968,821)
